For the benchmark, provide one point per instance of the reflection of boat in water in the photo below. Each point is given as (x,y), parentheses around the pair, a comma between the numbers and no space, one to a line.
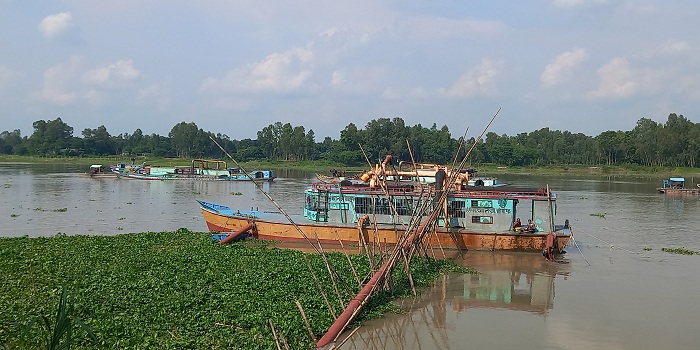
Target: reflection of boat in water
(472,217)
(98,171)
(200,169)
(676,185)
(514,286)
(508,281)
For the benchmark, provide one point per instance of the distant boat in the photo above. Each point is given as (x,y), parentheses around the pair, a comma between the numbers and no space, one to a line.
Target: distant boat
(98,171)
(200,169)
(676,185)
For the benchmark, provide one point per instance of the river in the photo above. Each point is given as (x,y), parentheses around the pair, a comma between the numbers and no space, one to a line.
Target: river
(614,289)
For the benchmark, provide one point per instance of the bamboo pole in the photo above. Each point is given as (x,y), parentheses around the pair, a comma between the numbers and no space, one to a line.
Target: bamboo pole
(306,321)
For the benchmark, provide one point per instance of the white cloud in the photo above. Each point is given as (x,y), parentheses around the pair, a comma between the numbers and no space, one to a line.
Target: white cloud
(7,77)
(580,3)
(156,94)
(480,80)
(54,25)
(360,80)
(115,74)
(560,69)
(675,47)
(433,28)
(616,80)
(57,81)
(278,72)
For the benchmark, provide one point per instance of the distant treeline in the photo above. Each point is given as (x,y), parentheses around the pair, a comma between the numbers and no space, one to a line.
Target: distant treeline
(674,143)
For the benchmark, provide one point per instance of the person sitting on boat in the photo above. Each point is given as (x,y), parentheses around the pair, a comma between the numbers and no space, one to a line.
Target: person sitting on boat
(517,225)
(530,226)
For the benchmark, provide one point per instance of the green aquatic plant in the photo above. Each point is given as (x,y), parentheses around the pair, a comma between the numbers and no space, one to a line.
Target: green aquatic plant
(600,215)
(14,215)
(236,193)
(647,248)
(61,210)
(61,334)
(681,250)
(583,198)
(175,290)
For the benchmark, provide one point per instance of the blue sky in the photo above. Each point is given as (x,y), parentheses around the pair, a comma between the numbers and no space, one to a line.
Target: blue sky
(234,67)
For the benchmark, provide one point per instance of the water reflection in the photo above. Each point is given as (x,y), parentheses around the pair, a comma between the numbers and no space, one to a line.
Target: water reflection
(513,283)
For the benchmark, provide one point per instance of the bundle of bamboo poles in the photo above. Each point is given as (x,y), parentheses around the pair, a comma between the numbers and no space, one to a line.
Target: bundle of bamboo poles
(409,244)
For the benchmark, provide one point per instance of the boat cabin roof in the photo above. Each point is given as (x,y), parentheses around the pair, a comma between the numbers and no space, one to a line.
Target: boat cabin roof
(677,179)
(95,166)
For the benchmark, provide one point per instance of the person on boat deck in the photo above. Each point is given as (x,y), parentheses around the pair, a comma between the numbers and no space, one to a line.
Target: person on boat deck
(440,176)
(517,225)
(530,226)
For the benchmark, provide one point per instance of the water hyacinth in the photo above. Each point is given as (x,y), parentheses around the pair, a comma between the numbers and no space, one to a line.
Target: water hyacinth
(174,290)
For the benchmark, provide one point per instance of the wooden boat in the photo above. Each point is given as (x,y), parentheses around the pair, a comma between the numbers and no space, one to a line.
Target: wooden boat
(676,185)
(200,169)
(98,171)
(472,217)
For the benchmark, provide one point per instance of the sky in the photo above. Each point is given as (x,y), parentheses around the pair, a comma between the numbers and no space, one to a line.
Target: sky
(234,67)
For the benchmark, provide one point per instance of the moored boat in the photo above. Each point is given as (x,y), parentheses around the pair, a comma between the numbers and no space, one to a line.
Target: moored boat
(470,217)
(200,169)
(98,171)
(676,185)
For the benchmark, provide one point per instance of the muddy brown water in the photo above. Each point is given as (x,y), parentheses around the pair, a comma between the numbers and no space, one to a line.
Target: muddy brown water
(615,289)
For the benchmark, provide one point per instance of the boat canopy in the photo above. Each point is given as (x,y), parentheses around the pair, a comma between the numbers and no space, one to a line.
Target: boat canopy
(95,166)
(677,179)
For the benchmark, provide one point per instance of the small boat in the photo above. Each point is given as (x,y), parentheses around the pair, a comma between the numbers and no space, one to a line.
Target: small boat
(98,171)
(471,218)
(200,169)
(676,185)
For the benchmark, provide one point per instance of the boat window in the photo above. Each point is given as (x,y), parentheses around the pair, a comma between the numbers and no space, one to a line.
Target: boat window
(404,206)
(362,205)
(455,209)
(482,219)
(381,206)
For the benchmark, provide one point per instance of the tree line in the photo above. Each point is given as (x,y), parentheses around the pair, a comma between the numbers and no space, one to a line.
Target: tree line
(673,143)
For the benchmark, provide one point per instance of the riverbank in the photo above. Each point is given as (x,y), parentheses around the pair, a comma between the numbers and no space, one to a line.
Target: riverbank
(324,166)
(175,290)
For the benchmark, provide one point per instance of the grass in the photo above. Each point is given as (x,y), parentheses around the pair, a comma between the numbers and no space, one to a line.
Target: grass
(179,290)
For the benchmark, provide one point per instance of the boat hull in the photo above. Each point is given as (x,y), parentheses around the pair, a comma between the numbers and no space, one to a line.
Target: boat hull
(193,177)
(269,226)
(679,190)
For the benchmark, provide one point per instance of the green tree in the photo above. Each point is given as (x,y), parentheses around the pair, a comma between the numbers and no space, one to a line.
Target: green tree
(50,138)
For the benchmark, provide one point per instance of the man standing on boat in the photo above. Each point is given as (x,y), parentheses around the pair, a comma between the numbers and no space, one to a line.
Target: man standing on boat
(440,176)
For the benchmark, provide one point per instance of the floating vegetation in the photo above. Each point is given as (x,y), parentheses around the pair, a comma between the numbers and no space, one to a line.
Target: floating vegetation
(7,185)
(681,250)
(165,290)
(14,215)
(195,192)
(61,335)
(583,198)
(236,193)
(600,215)
(647,248)
(60,210)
